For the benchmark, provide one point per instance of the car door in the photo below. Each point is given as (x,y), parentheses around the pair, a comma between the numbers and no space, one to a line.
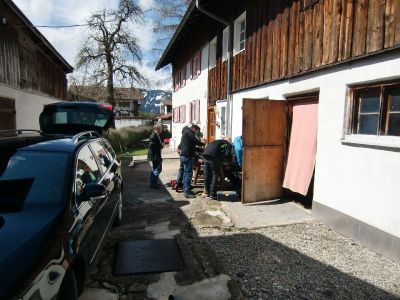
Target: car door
(88,235)
(109,178)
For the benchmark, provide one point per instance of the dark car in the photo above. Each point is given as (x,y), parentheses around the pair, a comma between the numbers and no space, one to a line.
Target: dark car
(60,192)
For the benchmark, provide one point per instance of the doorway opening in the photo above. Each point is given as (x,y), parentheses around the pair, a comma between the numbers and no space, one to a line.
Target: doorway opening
(279,149)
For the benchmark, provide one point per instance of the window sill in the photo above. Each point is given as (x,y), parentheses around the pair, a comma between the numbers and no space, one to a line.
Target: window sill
(372,141)
(236,53)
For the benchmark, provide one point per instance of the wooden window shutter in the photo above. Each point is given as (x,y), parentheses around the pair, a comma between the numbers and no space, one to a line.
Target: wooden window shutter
(197,110)
(199,63)
(190,109)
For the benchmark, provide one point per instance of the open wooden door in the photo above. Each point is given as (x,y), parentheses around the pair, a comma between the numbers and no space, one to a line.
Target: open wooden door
(264,136)
(211,126)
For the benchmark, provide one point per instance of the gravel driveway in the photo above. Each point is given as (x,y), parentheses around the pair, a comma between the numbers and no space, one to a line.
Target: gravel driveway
(302,261)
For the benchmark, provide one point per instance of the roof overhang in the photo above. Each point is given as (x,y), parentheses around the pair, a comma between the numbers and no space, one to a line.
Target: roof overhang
(61,60)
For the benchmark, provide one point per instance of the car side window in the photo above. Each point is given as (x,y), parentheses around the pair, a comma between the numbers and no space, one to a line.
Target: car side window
(102,156)
(87,170)
(109,149)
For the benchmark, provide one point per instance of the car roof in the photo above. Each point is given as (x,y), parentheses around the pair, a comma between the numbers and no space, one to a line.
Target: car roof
(41,142)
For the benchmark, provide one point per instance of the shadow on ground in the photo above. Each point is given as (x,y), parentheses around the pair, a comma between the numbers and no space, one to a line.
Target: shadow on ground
(277,272)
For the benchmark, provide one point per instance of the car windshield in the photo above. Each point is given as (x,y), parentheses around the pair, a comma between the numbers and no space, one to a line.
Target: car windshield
(31,179)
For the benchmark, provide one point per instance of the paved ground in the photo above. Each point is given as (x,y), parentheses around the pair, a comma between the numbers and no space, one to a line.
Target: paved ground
(270,251)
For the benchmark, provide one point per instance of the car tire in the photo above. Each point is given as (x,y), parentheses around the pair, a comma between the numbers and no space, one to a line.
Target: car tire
(118,216)
(69,287)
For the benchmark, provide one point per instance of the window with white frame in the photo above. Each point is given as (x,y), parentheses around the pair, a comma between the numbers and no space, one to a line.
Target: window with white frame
(213,53)
(182,114)
(223,123)
(239,40)
(196,65)
(225,44)
(176,81)
(376,110)
(183,76)
(188,70)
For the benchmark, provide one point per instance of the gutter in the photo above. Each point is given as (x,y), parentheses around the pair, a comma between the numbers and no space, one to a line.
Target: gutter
(229,63)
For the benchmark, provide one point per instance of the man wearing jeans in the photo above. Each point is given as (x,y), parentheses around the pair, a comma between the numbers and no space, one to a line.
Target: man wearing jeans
(154,154)
(187,151)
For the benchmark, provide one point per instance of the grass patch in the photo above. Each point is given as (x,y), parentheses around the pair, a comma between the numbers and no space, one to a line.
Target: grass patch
(132,152)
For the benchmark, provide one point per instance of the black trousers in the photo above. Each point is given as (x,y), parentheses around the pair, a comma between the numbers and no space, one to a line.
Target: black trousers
(212,169)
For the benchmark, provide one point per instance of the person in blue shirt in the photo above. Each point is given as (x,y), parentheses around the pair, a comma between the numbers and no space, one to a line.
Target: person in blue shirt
(238,144)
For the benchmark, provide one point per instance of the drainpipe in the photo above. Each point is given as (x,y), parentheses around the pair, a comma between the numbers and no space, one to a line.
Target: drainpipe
(228,66)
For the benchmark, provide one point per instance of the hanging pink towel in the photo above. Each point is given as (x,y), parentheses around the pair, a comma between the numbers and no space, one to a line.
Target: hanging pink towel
(302,147)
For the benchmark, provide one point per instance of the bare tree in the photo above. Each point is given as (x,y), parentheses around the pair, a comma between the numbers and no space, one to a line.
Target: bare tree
(169,13)
(111,51)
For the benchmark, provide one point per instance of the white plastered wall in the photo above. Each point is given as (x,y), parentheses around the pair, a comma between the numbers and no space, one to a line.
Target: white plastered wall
(28,106)
(195,89)
(357,180)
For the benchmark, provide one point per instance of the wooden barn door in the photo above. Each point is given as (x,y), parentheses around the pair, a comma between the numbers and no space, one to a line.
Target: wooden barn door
(264,136)
(7,114)
(211,126)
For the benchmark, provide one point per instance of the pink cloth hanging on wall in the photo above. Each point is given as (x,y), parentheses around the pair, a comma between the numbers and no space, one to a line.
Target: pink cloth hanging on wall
(302,147)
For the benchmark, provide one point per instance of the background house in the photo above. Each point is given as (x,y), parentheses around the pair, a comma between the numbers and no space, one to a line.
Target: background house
(127,100)
(32,72)
(313,87)
(165,106)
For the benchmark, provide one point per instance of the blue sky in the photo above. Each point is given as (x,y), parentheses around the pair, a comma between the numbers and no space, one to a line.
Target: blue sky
(68,40)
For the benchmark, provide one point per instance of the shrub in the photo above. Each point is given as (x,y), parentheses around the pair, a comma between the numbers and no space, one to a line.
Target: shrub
(128,137)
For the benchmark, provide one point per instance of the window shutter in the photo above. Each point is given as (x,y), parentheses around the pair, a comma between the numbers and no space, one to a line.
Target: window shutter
(197,110)
(199,63)
(190,109)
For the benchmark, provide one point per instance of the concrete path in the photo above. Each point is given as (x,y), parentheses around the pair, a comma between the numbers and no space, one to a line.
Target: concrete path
(269,213)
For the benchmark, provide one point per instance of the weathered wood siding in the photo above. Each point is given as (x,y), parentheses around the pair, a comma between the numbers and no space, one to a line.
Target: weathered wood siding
(23,65)
(288,37)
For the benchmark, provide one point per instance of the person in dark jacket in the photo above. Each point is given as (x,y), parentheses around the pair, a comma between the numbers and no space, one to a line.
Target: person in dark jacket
(214,155)
(187,149)
(154,154)
(179,179)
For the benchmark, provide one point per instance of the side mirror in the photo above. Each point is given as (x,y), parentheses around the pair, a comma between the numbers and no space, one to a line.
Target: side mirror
(94,191)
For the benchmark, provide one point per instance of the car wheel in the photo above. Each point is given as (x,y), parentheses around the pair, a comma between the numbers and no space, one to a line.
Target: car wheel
(69,287)
(118,215)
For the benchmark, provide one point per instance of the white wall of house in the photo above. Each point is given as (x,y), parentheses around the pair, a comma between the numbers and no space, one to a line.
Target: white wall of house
(359,181)
(28,106)
(195,89)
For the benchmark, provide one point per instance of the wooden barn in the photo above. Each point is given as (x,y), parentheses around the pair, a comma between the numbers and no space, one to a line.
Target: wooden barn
(32,72)
(313,87)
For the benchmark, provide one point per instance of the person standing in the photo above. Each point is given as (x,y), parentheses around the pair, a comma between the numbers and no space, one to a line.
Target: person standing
(154,154)
(187,149)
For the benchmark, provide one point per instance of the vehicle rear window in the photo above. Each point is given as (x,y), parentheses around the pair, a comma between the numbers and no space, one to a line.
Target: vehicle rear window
(40,176)
(93,116)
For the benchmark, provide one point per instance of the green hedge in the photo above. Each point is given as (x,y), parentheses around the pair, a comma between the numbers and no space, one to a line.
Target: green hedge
(128,137)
